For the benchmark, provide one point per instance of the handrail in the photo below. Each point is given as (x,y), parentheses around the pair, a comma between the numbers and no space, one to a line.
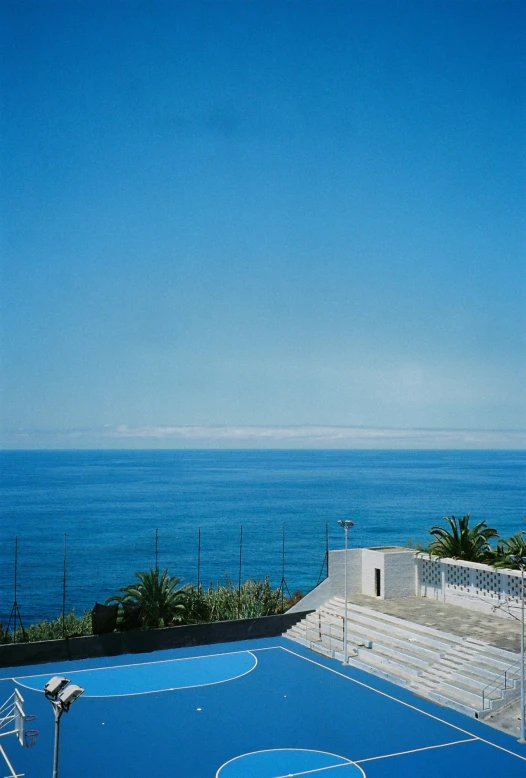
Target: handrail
(315,623)
(331,627)
(497,684)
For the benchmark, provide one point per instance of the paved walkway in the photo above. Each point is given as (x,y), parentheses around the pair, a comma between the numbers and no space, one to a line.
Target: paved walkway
(497,631)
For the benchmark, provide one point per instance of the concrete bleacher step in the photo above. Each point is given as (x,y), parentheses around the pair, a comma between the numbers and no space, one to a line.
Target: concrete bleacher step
(324,633)
(451,700)
(450,690)
(296,638)
(480,656)
(384,667)
(481,671)
(462,647)
(476,686)
(325,645)
(319,648)
(378,637)
(428,634)
(404,657)
(467,677)
(336,623)
(463,673)
(461,681)
(369,631)
(504,654)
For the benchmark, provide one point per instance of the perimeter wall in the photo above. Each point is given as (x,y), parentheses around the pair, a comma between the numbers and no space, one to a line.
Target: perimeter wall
(144,641)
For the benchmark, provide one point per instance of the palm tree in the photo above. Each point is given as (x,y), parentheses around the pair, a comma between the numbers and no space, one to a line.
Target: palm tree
(462,542)
(512,547)
(162,601)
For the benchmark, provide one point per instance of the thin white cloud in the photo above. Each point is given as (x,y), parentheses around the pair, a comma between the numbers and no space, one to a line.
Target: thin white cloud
(166,436)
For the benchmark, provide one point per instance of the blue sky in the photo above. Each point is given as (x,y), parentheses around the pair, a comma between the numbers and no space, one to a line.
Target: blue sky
(263,224)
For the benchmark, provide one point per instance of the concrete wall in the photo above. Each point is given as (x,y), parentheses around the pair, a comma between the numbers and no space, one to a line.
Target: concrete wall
(397,572)
(400,574)
(337,571)
(397,575)
(469,585)
(144,641)
(313,599)
(334,585)
(372,560)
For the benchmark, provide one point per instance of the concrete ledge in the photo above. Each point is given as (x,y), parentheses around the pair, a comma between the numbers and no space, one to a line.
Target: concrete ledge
(145,641)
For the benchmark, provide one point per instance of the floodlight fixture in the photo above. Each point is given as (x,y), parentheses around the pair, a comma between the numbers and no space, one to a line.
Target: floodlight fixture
(69,695)
(346,523)
(53,687)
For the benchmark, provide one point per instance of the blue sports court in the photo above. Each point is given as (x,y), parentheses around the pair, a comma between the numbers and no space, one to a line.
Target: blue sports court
(255,709)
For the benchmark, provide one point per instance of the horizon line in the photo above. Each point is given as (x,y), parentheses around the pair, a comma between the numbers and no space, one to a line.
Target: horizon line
(264,437)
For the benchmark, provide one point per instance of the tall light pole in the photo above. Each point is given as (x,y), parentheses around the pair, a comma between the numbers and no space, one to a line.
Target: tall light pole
(346,524)
(521,562)
(61,694)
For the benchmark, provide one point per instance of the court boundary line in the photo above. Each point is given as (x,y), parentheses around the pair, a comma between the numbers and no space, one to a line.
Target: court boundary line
(303,750)
(152,691)
(402,702)
(138,664)
(417,750)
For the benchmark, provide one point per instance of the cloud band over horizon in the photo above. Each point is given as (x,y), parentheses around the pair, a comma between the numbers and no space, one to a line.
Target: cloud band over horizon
(263,437)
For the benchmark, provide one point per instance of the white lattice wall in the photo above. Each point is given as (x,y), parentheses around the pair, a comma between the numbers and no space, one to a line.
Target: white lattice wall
(458,578)
(512,588)
(470,585)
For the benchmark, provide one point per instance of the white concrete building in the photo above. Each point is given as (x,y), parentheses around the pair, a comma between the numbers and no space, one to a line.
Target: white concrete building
(390,572)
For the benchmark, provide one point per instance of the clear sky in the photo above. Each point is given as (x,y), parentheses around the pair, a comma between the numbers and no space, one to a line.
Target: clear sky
(263,223)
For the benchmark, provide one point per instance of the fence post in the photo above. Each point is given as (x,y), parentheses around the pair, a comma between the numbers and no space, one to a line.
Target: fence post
(198,559)
(240,567)
(64,590)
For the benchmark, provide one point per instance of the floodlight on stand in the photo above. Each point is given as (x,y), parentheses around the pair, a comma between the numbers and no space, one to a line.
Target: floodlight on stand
(346,524)
(520,561)
(55,686)
(61,693)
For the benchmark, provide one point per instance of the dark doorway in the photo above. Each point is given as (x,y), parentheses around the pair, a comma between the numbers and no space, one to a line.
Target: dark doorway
(377,581)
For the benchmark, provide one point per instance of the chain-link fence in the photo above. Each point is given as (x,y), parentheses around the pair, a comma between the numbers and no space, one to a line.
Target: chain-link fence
(75,573)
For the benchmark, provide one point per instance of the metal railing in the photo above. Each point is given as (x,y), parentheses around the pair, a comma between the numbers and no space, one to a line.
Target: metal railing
(326,632)
(497,685)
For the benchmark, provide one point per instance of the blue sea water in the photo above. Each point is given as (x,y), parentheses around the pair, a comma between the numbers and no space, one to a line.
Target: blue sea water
(107,505)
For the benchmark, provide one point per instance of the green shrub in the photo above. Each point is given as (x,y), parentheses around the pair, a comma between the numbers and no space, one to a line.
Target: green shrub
(73,626)
(162,600)
(226,601)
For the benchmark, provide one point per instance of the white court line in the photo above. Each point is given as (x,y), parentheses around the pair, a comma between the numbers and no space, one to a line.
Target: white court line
(303,750)
(320,770)
(136,664)
(156,691)
(401,702)
(416,750)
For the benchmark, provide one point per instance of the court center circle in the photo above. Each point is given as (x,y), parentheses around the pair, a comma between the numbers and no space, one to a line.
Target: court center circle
(289,762)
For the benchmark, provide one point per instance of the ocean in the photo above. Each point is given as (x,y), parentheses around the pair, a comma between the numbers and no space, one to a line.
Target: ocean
(108,507)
